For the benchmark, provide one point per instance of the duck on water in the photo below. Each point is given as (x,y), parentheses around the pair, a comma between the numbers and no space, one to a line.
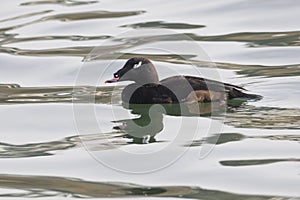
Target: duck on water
(147,89)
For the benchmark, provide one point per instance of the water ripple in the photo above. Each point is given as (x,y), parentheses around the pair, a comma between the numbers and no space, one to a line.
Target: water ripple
(58,2)
(26,15)
(225,138)
(67,17)
(264,117)
(90,15)
(95,141)
(45,38)
(256,39)
(14,94)
(245,116)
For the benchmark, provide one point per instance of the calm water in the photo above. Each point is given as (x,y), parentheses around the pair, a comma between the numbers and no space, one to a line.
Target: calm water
(58,142)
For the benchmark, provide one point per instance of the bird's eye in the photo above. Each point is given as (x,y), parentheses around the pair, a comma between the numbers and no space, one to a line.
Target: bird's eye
(116,75)
(137,65)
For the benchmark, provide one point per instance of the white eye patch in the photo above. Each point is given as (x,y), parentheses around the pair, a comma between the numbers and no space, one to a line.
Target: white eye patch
(137,65)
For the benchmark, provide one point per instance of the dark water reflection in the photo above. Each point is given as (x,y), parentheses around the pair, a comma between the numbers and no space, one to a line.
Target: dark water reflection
(161,24)
(237,163)
(14,94)
(49,186)
(143,129)
(36,149)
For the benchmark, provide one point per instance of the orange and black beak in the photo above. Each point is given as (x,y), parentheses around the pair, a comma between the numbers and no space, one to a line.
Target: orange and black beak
(116,77)
(113,80)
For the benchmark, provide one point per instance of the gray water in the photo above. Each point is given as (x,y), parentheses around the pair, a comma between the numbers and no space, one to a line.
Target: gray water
(56,54)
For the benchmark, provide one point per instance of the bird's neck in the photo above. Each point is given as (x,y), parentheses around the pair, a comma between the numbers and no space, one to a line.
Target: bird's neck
(146,80)
(149,75)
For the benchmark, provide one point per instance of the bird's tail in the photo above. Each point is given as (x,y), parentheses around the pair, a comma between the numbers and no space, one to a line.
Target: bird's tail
(235,93)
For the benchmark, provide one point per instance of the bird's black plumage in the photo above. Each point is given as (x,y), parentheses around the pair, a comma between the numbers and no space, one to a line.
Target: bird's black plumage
(147,89)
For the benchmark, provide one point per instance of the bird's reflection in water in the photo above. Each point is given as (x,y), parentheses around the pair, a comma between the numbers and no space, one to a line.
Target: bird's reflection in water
(142,130)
